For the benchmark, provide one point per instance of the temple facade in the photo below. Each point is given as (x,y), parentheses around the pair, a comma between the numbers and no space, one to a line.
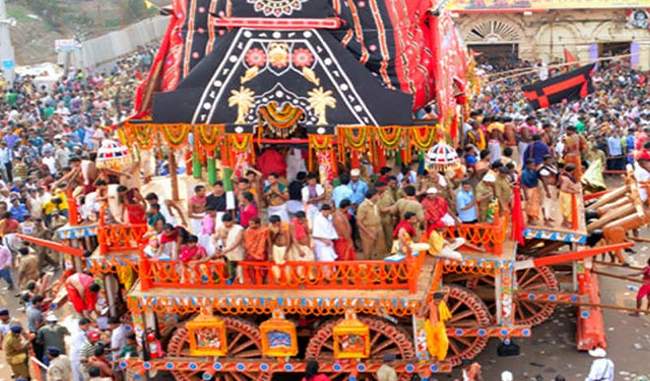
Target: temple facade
(544,34)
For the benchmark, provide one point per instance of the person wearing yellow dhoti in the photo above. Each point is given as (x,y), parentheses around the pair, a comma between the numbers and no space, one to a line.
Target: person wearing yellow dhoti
(568,188)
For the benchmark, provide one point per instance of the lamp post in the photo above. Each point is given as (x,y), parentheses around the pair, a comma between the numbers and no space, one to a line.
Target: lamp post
(7,60)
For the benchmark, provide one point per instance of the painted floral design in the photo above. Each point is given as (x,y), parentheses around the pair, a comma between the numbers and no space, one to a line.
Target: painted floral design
(277,8)
(256,57)
(302,57)
(279,55)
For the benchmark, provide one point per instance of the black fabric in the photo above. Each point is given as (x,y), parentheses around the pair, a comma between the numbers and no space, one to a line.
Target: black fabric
(217,202)
(569,86)
(361,99)
(295,190)
(282,8)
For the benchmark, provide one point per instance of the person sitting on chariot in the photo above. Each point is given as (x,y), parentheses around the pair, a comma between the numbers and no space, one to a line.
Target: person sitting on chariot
(191,251)
(256,240)
(405,234)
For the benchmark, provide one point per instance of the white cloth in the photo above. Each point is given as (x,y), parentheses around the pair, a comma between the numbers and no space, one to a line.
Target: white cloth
(50,162)
(323,229)
(641,175)
(238,253)
(118,338)
(280,211)
(312,209)
(601,370)
(169,217)
(79,340)
(195,224)
(295,164)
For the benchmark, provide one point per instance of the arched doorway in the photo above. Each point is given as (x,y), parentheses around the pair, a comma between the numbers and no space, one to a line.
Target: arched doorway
(496,41)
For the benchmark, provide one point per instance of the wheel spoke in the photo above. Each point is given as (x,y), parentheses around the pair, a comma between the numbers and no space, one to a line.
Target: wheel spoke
(529,280)
(234,341)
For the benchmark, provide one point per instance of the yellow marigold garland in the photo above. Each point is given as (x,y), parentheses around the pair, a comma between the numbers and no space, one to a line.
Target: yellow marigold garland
(176,134)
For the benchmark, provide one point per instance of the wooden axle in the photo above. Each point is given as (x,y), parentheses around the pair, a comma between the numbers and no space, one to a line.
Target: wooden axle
(614,264)
(621,277)
(595,305)
(61,248)
(570,256)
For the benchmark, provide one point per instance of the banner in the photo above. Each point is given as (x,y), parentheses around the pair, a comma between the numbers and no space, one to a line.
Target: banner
(511,5)
(575,84)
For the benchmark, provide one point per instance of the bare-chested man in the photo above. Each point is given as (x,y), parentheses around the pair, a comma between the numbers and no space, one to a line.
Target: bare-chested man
(279,242)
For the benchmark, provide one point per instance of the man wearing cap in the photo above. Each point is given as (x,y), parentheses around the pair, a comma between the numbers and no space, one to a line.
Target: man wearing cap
(16,348)
(370,229)
(5,323)
(485,195)
(60,368)
(357,186)
(436,211)
(386,200)
(602,369)
(52,334)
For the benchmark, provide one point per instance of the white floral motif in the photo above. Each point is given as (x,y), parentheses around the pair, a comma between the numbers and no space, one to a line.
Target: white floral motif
(277,8)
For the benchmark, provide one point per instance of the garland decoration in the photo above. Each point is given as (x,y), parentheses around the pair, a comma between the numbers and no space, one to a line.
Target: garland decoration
(389,137)
(423,138)
(141,134)
(176,134)
(318,143)
(209,135)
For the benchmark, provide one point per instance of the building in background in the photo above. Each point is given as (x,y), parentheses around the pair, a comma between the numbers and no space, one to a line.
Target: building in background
(542,29)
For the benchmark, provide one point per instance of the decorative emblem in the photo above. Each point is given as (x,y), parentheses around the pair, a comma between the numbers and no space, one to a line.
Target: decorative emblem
(279,55)
(255,57)
(320,100)
(243,99)
(302,57)
(277,8)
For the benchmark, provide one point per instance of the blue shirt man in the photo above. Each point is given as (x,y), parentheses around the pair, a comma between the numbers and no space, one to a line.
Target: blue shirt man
(614,147)
(341,192)
(466,204)
(358,187)
(537,150)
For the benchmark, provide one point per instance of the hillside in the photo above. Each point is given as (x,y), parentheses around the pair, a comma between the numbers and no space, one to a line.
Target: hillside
(40,22)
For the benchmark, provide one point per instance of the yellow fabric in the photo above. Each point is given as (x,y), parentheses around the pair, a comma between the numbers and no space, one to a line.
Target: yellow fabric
(443,312)
(437,340)
(436,243)
(125,276)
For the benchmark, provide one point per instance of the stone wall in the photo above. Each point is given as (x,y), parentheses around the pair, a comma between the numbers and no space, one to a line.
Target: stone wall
(109,47)
(544,35)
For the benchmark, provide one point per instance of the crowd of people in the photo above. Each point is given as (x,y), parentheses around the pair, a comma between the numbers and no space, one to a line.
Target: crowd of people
(50,136)
(48,129)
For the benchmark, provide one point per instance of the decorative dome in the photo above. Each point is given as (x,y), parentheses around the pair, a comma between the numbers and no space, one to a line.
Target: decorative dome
(112,155)
(442,156)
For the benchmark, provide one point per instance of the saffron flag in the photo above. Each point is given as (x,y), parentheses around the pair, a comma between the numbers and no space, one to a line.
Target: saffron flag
(572,85)
(148,4)
(568,57)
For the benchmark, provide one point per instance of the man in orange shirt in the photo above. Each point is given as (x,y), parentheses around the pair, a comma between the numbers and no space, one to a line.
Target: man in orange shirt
(256,242)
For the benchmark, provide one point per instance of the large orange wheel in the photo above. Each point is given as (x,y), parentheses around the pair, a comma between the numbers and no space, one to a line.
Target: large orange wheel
(244,342)
(385,339)
(467,312)
(527,311)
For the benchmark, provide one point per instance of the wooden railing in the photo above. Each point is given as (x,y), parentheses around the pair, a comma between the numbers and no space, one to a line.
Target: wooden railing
(117,237)
(214,274)
(483,236)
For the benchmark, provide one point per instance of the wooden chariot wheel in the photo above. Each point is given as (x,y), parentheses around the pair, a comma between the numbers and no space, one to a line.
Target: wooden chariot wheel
(244,342)
(467,312)
(385,339)
(527,311)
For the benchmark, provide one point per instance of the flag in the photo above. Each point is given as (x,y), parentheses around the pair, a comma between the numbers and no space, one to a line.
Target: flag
(568,57)
(148,4)
(575,84)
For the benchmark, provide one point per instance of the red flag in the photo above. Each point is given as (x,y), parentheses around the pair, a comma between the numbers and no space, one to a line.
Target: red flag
(517,215)
(568,57)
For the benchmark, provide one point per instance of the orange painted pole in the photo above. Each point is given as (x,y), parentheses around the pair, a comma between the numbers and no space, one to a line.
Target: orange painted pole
(578,255)
(52,245)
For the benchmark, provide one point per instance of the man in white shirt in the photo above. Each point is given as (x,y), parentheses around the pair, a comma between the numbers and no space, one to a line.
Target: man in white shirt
(50,162)
(119,332)
(324,235)
(602,369)
(642,174)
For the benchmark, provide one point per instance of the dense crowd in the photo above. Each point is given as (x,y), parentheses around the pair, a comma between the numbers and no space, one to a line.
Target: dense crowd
(46,129)
(279,213)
